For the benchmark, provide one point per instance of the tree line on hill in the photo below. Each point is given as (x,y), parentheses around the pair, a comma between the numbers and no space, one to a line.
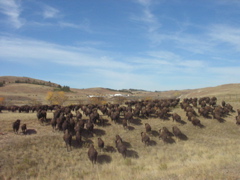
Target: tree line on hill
(44,83)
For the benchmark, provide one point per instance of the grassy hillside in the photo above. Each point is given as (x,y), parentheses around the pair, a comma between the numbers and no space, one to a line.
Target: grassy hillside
(209,153)
(27,93)
(28,80)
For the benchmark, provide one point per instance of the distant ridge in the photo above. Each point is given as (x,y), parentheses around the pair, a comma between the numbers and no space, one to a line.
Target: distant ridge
(28,80)
(25,90)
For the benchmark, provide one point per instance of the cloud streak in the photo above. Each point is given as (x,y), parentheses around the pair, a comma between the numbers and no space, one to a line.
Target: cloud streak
(12,9)
(32,50)
(50,12)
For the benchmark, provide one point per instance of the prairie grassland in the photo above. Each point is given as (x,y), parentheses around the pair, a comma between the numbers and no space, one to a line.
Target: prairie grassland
(211,152)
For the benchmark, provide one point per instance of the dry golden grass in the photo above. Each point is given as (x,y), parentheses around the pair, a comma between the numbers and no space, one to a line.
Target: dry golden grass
(21,94)
(207,153)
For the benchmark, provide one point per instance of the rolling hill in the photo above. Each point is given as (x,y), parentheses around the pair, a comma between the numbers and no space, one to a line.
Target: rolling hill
(25,90)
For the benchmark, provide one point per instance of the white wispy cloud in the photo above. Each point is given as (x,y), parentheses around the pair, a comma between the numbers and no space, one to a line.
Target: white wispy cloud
(226,34)
(12,9)
(33,50)
(50,12)
(147,17)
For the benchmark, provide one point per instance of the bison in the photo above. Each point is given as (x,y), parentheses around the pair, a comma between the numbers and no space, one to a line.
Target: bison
(148,128)
(195,121)
(100,143)
(238,120)
(16,126)
(67,137)
(24,128)
(78,137)
(145,138)
(92,154)
(176,117)
(176,131)
(163,135)
(121,147)
(124,123)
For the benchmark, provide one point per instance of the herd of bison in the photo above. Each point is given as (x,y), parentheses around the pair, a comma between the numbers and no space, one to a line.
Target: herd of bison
(74,125)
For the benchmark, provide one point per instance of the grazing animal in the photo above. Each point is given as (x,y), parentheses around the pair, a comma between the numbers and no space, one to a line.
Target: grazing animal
(42,115)
(196,121)
(78,137)
(163,135)
(176,131)
(124,122)
(238,120)
(54,123)
(16,126)
(145,138)
(148,128)
(24,128)
(176,117)
(67,137)
(92,154)
(238,111)
(118,138)
(90,126)
(121,148)
(128,116)
(100,143)
(167,131)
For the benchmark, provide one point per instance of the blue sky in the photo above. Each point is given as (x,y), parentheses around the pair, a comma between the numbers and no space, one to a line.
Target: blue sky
(121,44)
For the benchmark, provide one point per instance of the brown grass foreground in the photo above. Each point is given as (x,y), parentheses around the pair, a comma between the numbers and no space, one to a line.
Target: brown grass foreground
(207,153)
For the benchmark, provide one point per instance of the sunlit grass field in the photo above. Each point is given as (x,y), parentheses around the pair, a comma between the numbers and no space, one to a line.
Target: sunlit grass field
(208,153)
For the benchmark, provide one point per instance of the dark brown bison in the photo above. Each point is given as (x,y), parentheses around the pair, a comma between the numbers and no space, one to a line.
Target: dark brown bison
(16,126)
(54,123)
(128,116)
(92,154)
(148,128)
(78,137)
(42,114)
(89,127)
(176,117)
(145,138)
(195,121)
(67,137)
(176,131)
(238,111)
(117,138)
(115,115)
(163,135)
(121,147)
(24,128)
(78,115)
(238,120)
(124,123)
(100,143)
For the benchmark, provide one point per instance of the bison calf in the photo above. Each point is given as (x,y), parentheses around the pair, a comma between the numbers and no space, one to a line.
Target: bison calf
(24,128)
